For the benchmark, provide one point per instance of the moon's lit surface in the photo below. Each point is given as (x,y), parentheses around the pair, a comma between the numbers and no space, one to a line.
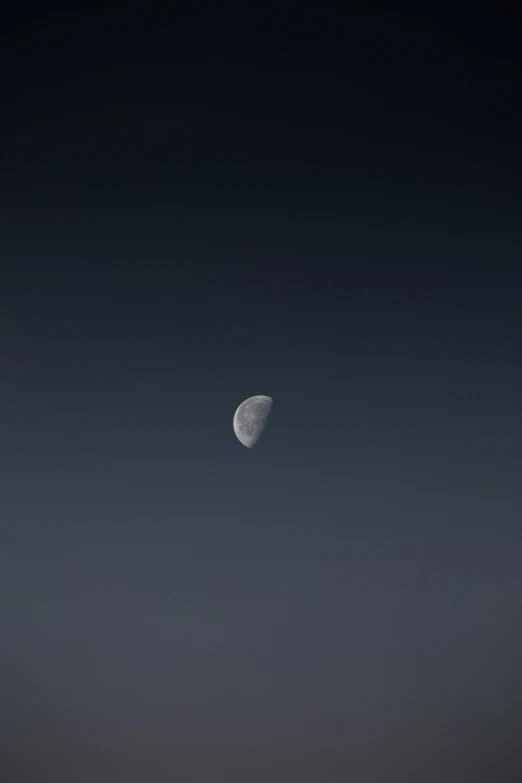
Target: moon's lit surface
(250,419)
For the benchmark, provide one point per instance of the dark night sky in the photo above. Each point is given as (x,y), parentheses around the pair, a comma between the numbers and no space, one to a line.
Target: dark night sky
(321,207)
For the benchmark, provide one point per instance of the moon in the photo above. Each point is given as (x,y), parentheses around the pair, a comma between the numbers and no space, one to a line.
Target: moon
(250,419)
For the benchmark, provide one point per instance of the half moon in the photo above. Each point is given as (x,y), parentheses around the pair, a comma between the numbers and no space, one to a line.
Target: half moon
(250,419)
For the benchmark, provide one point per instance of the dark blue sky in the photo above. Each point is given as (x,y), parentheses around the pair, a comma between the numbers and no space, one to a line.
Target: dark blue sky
(320,207)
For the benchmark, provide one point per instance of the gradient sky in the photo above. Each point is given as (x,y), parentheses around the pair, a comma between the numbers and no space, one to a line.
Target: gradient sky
(319,207)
